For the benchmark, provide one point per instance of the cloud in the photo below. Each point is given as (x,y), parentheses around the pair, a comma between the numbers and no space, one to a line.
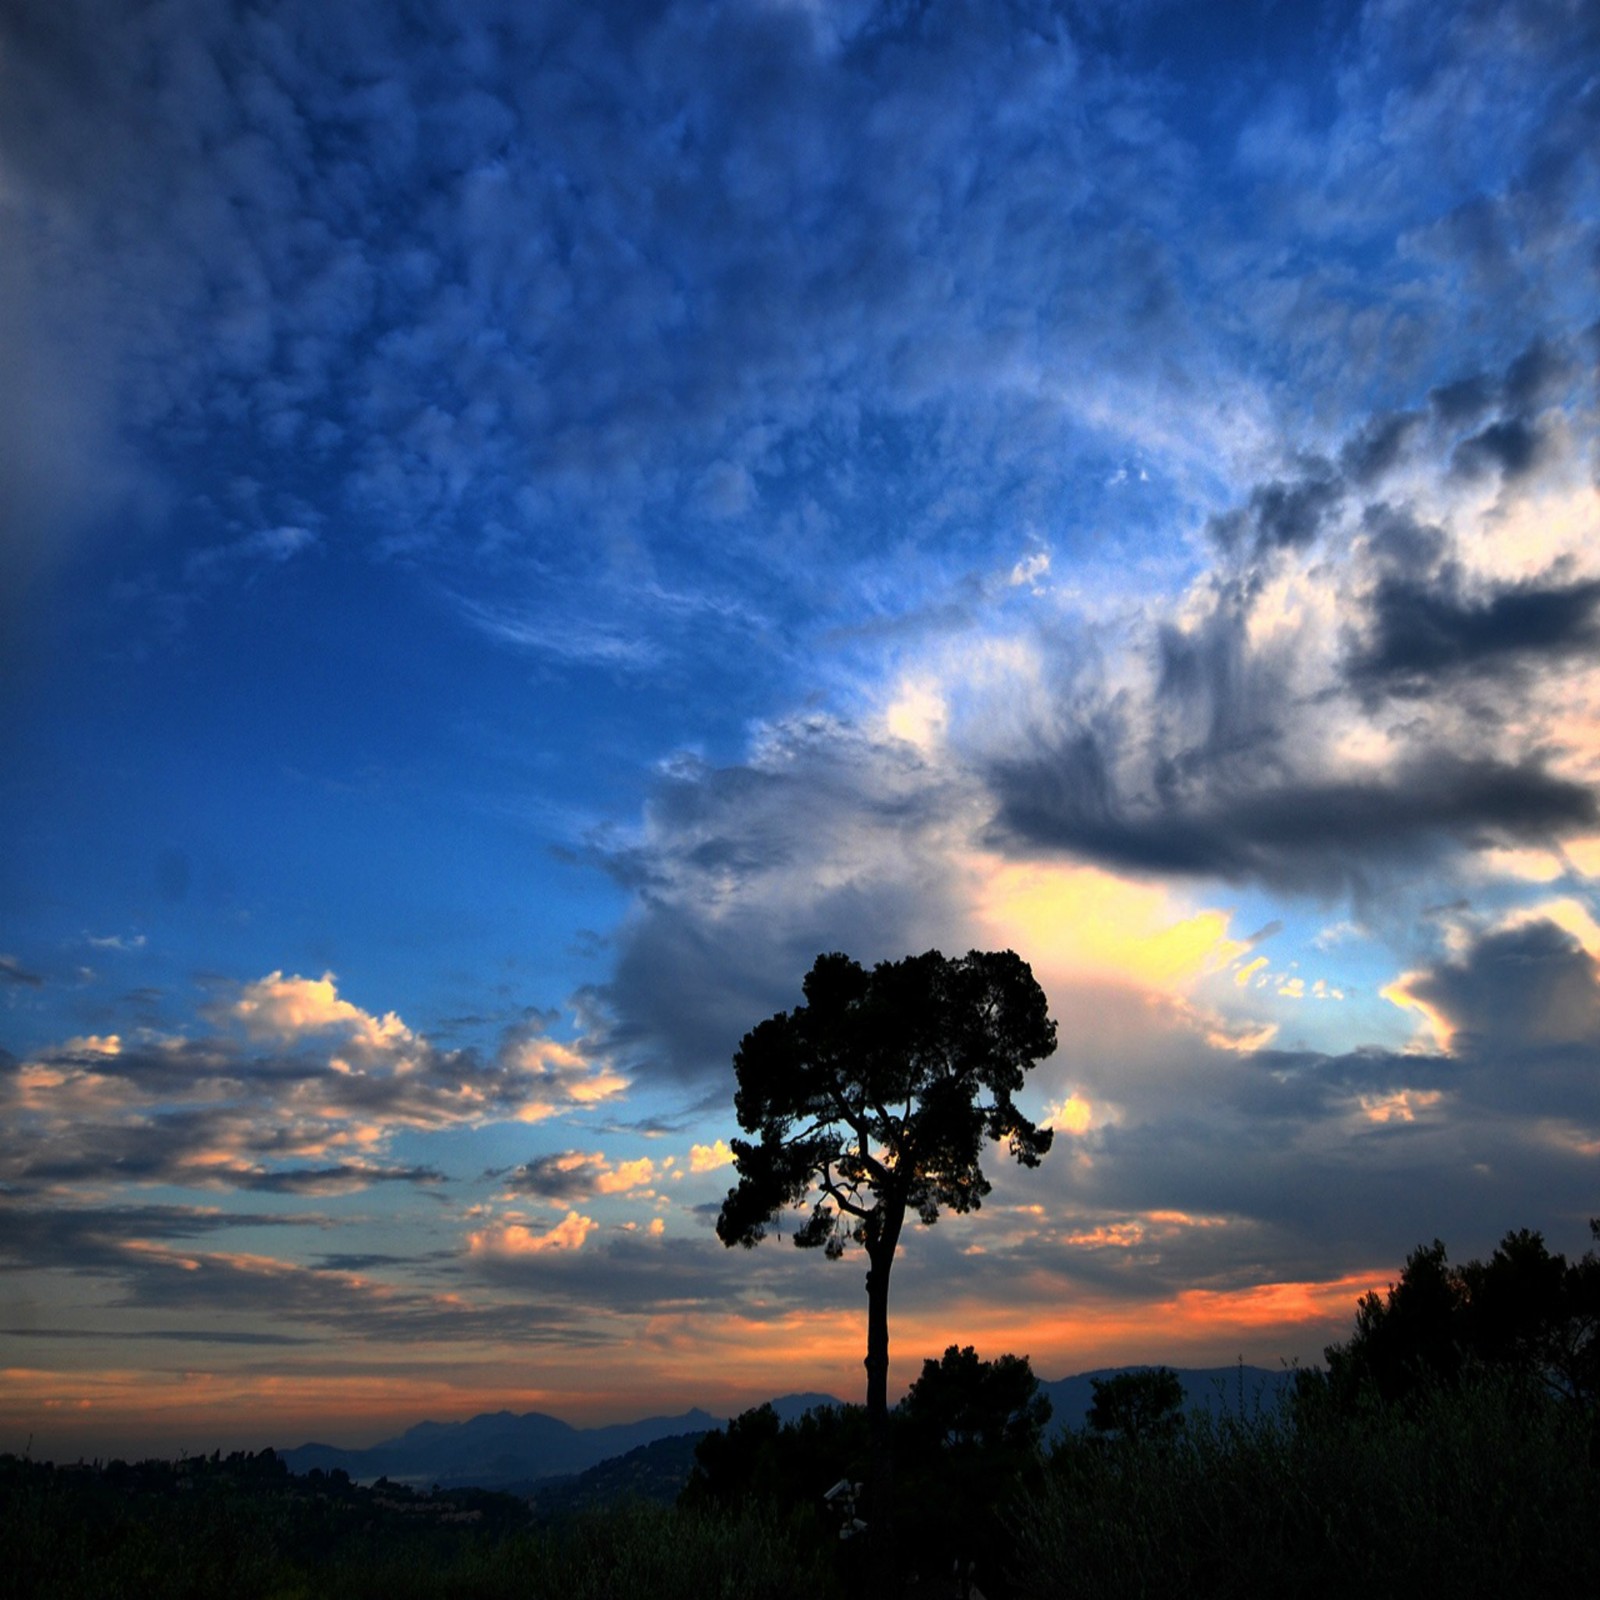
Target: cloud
(571,1175)
(1316,835)
(565,1175)
(1424,632)
(552,1077)
(516,1239)
(743,873)
(709,1157)
(1513,993)
(296,1090)
(284,1009)
(271,546)
(13,971)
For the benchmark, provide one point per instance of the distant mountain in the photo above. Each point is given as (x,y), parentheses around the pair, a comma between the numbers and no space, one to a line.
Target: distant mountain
(521,1453)
(1236,1390)
(504,1450)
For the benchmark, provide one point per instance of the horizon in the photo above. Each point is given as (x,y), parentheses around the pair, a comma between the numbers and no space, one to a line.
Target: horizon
(521,527)
(397,1428)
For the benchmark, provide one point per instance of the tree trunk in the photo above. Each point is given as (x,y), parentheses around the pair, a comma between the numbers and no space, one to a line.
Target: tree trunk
(877,1362)
(880,1493)
(880,1258)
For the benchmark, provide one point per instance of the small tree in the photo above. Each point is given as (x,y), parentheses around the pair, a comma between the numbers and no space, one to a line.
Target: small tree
(1138,1405)
(964,1403)
(875,1098)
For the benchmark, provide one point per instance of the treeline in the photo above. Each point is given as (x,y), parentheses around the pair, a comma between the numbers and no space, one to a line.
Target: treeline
(1452,1445)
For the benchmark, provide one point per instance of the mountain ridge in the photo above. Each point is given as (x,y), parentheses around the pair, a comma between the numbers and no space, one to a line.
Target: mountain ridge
(511,1450)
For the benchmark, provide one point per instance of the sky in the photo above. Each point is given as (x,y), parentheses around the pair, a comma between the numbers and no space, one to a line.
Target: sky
(522,525)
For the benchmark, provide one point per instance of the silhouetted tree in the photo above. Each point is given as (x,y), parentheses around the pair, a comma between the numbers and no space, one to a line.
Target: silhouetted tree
(964,1403)
(874,1099)
(1138,1405)
(967,1439)
(1524,1312)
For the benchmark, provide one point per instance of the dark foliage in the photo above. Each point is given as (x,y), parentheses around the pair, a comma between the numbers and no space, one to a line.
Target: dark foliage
(966,1442)
(1525,1314)
(1484,1491)
(1138,1406)
(963,1403)
(196,1530)
(655,1472)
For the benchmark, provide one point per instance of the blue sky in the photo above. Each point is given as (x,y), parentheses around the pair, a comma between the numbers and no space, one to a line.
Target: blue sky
(521,526)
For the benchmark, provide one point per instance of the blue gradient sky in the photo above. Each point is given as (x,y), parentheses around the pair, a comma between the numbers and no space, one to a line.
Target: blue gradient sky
(521,525)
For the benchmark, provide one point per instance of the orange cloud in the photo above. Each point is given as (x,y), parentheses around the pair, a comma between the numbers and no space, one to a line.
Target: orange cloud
(560,1077)
(516,1239)
(1438,1025)
(627,1175)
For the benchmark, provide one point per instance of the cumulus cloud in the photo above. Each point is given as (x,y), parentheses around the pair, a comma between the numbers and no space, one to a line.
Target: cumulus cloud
(577,1175)
(1514,994)
(310,1114)
(709,1157)
(282,1008)
(517,1239)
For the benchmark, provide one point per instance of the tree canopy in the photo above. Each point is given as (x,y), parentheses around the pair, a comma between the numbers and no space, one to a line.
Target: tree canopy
(962,1402)
(875,1098)
(1138,1405)
(1524,1311)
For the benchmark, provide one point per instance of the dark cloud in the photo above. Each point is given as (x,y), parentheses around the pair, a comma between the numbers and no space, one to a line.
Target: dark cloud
(1516,992)
(1512,446)
(565,1175)
(96,1239)
(1285,514)
(345,1178)
(168,1335)
(631,1272)
(1322,835)
(1424,633)
(1538,377)
(745,873)
(1400,543)
(1378,447)
(1463,400)
(148,1257)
